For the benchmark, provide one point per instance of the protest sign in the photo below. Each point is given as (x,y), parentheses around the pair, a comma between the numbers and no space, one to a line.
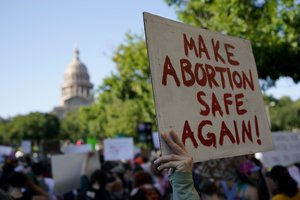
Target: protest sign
(77,149)
(26,146)
(295,174)
(118,149)
(155,140)
(5,150)
(93,142)
(206,89)
(66,170)
(286,151)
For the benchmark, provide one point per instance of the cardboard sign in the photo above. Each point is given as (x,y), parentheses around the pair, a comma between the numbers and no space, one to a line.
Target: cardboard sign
(206,89)
(77,149)
(118,149)
(6,150)
(286,151)
(26,146)
(66,170)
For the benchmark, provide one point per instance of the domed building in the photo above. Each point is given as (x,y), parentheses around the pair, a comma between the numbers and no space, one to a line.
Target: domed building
(76,87)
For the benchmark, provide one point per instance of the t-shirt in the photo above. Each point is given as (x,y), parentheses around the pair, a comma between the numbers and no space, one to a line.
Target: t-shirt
(284,197)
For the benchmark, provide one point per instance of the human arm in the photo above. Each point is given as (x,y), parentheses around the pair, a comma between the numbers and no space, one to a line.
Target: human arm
(84,165)
(84,180)
(182,164)
(41,194)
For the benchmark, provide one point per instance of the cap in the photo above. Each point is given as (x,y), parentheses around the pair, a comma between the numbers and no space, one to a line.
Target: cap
(247,167)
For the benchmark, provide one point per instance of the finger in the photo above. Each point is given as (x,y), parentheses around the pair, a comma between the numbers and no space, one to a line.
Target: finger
(177,140)
(172,145)
(168,165)
(168,158)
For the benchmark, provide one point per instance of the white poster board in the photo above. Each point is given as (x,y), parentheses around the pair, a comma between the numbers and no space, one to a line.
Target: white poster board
(155,140)
(286,151)
(78,149)
(118,149)
(66,170)
(206,89)
(26,146)
(5,150)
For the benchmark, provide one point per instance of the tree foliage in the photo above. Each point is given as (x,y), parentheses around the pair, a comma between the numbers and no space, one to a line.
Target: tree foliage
(273,27)
(284,113)
(33,126)
(125,98)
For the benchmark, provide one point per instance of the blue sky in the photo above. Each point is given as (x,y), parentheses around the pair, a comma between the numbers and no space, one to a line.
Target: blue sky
(38,37)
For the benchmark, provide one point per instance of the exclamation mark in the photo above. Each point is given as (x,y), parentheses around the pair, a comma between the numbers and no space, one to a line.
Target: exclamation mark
(257,130)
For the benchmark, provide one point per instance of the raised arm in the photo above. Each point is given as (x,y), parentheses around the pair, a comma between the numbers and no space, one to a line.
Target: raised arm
(180,162)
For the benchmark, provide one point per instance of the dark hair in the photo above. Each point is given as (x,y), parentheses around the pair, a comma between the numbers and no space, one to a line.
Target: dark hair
(208,188)
(17,179)
(38,168)
(142,178)
(99,176)
(285,183)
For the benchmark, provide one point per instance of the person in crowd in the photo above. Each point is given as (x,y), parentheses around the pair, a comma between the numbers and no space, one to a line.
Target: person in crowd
(146,164)
(116,182)
(95,188)
(144,188)
(248,174)
(4,195)
(23,188)
(37,175)
(281,184)
(7,171)
(180,165)
(161,182)
(229,188)
(208,191)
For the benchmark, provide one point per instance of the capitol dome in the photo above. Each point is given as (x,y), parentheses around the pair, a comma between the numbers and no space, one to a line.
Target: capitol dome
(76,72)
(76,81)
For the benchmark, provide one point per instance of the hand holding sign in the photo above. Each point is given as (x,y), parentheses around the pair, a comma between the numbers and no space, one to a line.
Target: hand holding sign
(180,160)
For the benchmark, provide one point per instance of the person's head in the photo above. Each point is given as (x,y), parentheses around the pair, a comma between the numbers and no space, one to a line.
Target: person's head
(248,170)
(38,168)
(281,181)
(100,177)
(208,190)
(142,178)
(118,169)
(230,181)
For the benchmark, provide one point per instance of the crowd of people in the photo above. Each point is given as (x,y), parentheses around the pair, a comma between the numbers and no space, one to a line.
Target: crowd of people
(154,178)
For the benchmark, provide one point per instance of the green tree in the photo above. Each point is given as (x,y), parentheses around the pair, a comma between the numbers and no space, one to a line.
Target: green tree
(80,124)
(4,132)
(125,98)
(34,126)
(284,114)
(272,26)
(70,126)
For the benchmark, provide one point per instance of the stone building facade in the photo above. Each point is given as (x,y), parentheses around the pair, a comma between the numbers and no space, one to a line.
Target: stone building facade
(76,88)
